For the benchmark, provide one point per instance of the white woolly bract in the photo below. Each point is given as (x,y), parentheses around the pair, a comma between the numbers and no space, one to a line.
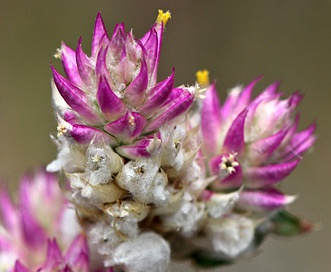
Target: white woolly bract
(187,219)
(95,194)
(124,208)
(230,235)
(102,164)
(106,236)
(147,252)
(69,158)
(172,152)
(145,181)
(220,204)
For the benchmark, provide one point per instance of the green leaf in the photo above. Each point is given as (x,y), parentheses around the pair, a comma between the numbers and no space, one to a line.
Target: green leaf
(287,224)
(208,260)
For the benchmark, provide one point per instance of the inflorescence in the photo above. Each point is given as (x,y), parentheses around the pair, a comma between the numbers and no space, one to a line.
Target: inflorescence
(153,172)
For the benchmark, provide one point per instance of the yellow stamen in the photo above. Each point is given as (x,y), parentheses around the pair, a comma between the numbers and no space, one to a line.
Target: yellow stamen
(202,77)
(58,53)
(228,163)
(61,129)
(96,158)
(132,121)
(200,92)
(163,17)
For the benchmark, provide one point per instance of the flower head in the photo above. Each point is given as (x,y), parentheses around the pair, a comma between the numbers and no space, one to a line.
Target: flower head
(124,141)
(113,94)
(146,171)
(255,140)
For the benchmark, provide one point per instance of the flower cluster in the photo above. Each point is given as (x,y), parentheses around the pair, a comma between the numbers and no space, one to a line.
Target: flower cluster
(248,147)
(41,232)
(253,143)
(124,142)
(153,171)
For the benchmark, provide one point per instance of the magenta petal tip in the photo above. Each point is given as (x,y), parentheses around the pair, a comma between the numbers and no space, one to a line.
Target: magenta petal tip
(143,148)
(128,126)
(73,96)
(98,35)
(158,95)
(265,200)
(178,103)
(111,106)
(264,176)
(234,140)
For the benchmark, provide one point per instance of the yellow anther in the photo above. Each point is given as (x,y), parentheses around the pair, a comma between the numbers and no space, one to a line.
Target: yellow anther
(58,53)
(202,77)
(132,121)
(200,92)
(61,129)
(96,158)
(163,17)
(228,163)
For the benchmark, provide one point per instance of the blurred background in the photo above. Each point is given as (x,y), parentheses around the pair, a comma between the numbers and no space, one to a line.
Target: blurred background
(235,40)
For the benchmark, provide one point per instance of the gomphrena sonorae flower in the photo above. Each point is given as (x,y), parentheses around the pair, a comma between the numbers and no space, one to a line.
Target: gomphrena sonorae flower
(153,171)
(36,230)
(113,94)
(253,143)
(248,147)
(124,143)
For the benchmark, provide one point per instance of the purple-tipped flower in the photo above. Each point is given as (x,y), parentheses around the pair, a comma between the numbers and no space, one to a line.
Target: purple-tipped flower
(27,229)
(113,94)
(75,258)
(253,142)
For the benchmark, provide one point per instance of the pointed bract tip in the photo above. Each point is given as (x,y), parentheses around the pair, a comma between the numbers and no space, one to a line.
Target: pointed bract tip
(258,78)
(290,199)
(99,21)
(234,140)
(80,40)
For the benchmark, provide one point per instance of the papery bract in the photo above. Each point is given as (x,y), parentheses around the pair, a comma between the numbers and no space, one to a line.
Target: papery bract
(114,90)
(260,134)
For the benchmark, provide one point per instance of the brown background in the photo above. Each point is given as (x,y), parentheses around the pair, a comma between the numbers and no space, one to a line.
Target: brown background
(235,40)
